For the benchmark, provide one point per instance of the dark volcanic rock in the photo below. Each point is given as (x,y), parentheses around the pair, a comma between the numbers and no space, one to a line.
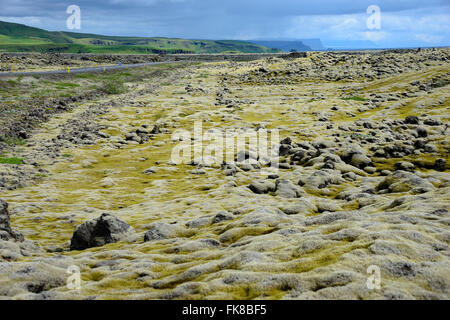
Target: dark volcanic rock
(160,231)
(440,164)
(261,187)
(156,129)
(405,166)
(403,181)
(98,232)
(412,120)
(284,150)
(6,232)
(295,55)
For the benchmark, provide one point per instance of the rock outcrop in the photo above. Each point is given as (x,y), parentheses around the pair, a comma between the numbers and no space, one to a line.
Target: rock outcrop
(6,232)
(98,232)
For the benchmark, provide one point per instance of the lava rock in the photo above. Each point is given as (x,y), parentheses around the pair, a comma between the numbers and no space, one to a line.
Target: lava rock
(404,165)
(403,181)
(286,189)
(160,231)
(6,232)
(284,149)
(261,187)
(440,164)
(422,132)
(98,232)
(411,120)
(432,122)
(156,129)
(360,161)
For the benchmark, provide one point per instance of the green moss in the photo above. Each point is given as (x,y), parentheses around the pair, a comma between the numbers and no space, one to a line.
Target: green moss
(247,292)
(324,256)
(125,284)
(354,98)
(423,162)
(159,115)
(93,276)
(239,233)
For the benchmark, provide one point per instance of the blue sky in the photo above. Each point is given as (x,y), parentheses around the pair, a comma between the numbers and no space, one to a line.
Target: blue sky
(403,22)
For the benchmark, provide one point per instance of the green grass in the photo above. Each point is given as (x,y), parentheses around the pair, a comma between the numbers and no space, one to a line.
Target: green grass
(64,85)
(21,38)
(85,76)
(354,98)
(66,94)
(12,83)
(12,160)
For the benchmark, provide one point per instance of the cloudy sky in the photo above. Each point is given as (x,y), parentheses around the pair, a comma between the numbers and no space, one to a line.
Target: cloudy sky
(403,22)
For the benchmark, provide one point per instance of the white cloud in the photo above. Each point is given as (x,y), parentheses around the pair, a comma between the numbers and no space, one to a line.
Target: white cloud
(375,36)
(428,38)
(405,28)
(347,24)
(31,21)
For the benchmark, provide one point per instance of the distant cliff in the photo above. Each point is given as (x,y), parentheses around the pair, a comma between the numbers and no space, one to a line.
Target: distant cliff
(315,44)
(285,45)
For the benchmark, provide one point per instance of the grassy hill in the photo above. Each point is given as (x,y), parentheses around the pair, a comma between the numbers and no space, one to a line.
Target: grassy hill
(21,38)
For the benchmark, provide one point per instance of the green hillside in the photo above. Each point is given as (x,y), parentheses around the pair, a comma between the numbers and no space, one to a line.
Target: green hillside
(21,38)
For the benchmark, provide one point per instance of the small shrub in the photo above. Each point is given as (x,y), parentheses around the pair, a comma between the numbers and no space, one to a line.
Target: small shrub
(13,141)
(113,87)
(439,83)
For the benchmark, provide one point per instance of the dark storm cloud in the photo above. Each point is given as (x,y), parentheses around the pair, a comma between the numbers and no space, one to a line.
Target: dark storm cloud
(23,8)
